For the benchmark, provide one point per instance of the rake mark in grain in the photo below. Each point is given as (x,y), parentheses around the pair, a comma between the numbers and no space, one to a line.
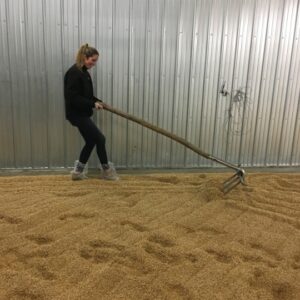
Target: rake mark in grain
(180,290)
(39,239)
(282,291)
(71,194)
(137,227)
(211,230)
(186,229)
(24,294)
(191,257)
(296,262)
(10,220)
(133,260)
(24,257)
(45,273)
(163,241)
(161,254)
(250,208)
(77,216)
(105,244)
(171,179)
(220,256)
(258,259)
(100,251)
(270,252)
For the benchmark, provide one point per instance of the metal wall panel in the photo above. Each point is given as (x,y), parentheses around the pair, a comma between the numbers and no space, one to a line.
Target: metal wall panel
(104,70)
(7,151)
(19,77)
(213,38)
(53,28)
(182,80)
(153,46)
(37,86)
(169,54)
(293,137)
(122,31)
(70,41)
(136,86)
(288,113)
(198,72)
(161,60)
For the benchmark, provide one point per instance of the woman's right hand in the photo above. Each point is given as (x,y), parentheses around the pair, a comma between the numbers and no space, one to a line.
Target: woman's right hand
(98,105)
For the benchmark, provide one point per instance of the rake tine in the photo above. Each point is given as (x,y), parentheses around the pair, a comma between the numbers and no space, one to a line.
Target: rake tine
(233,181)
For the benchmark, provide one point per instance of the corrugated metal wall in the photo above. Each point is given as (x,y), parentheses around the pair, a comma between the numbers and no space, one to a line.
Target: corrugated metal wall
(164,61)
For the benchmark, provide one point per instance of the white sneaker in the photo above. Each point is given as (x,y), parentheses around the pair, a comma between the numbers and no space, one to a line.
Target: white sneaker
(110,173)
(79,172)
(78,175)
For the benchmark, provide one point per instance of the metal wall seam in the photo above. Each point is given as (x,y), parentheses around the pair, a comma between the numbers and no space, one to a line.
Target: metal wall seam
(168,77)
(174,92)
(120,98)
(247,90)
(175,157)
(254,82)
(219,97)
(7,157)
(184,76)
(188,127)
(36,72)
(80,24)
(103,79)
(229,138)
(159,94)
(26,25)
(239,92)
(86,35)
(155,78)
(53,83)
(293,96)
(137,81)
(71,36)
(254,161)
(113,25)
(284,161)
(129,76)
(46,84)
(19,79)
(145,81)
(295,144)
(294,154)
(267,159)
(189,157)
(202,161)
(62,21)
(95,73)
(227,71)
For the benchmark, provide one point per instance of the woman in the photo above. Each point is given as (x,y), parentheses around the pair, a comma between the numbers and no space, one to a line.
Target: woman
(79,104)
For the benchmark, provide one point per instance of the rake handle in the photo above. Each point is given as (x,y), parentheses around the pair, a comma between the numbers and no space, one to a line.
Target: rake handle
(168,134)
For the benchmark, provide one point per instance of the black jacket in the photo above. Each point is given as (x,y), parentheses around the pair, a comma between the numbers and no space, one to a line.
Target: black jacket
(78,92)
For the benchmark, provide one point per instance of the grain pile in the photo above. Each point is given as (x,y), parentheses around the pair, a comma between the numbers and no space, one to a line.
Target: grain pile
(155,236)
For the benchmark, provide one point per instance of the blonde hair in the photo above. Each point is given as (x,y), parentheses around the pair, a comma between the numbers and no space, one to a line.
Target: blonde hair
(85,51)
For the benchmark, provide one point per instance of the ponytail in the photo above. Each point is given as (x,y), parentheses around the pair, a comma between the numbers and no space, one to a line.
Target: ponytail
(85,51)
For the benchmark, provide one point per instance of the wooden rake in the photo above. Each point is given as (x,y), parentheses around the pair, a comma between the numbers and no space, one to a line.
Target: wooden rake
(228,185)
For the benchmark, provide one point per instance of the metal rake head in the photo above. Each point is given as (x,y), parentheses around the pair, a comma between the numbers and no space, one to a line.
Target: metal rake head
(233,181)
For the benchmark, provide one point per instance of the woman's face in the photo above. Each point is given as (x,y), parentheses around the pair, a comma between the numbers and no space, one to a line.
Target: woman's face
(91,61)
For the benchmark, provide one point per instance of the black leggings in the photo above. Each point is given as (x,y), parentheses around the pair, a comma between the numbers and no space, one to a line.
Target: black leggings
(92,136)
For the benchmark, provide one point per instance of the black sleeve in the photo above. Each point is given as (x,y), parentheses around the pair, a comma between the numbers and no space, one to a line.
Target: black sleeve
(73,93)
(97,100)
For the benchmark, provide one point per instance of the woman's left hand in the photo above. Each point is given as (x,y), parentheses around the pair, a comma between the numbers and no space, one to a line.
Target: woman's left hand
(98,105)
